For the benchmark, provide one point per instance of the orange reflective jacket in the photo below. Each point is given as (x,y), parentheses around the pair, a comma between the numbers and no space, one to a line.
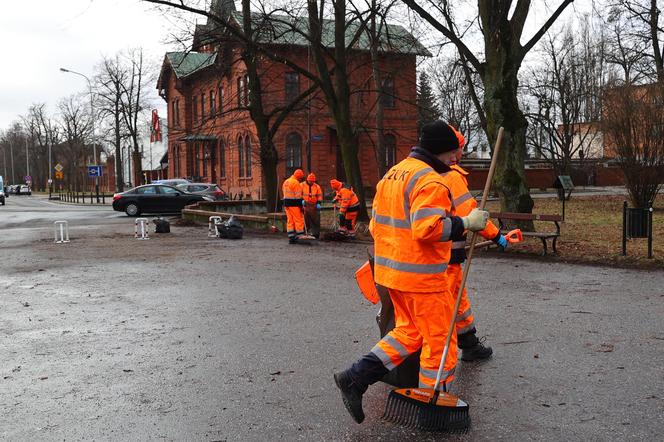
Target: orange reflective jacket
(412,229)
(462,204)
(348,201)
(292,190)
(312,193)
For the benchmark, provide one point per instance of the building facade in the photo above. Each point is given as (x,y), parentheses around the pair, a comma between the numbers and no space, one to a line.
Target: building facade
(212,138)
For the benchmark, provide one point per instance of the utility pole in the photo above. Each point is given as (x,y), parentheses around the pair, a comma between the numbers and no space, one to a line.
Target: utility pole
(27,158)
(11,153)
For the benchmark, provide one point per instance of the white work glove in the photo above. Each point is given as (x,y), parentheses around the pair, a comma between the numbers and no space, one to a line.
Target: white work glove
(476,220)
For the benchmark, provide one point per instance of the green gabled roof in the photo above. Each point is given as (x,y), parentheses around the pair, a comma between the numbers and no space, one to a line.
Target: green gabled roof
(288,30)
(186,63)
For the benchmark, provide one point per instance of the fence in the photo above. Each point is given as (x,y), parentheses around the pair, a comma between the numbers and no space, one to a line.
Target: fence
(84,197)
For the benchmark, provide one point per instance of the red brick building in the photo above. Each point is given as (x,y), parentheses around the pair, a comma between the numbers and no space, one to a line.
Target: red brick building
(212,138)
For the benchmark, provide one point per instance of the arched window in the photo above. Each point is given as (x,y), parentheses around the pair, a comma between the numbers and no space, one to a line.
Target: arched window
(293,152)
(390,150)
(387,92)
(176,160)
(240,153)
(247,156)
(222,159)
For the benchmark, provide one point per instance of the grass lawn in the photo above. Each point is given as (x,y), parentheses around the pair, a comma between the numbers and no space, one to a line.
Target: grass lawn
(591,233)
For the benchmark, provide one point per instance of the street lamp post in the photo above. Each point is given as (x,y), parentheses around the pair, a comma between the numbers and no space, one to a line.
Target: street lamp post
(92,119)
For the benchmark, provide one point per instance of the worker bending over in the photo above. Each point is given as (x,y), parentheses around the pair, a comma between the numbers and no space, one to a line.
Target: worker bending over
(413,232)
(294,205)
(462,204)
(349,206)
(313,196)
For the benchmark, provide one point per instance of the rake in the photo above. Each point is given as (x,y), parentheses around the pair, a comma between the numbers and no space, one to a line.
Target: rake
(430,409)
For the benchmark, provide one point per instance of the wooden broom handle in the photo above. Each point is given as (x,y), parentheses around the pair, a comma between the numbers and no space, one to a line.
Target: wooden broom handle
(466,270)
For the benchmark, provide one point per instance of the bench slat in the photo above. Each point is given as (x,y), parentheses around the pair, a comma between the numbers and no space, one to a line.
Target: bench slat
(525,216)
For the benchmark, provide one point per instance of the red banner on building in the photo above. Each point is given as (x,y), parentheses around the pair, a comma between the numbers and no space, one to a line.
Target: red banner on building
(155,133)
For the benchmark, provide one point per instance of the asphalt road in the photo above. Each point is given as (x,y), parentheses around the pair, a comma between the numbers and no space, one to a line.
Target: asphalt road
(188,338)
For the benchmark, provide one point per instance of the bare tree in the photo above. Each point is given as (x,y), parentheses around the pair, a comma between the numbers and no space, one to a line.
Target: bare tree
(134,103)
(110,83)
(565,90)
(645,27)
(243,43)
(634,126)
(76,129)
(451,83)
(623,51)
(502,27)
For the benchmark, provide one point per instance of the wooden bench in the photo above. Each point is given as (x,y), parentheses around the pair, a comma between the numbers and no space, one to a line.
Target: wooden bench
(543,236)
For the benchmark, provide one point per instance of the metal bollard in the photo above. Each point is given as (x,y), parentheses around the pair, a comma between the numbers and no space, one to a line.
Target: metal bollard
(144,228)
(212,223)
(61,227)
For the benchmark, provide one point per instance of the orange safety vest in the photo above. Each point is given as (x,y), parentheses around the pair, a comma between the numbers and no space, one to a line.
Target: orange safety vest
(412,229)
(292,190)
(462,204)
(348,201)
(312,193)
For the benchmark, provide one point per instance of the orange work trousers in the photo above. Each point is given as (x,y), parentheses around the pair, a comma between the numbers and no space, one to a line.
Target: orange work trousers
(421,319)
(465,320)
(294,221)
(350,219)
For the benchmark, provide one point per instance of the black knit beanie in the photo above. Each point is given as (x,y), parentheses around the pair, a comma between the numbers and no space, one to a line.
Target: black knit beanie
(438,137)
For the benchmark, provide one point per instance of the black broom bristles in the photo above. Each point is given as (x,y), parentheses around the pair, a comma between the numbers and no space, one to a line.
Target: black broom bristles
(412,413)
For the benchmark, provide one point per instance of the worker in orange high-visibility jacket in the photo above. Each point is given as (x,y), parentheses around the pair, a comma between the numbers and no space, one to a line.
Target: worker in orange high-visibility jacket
(313,197)
(349,206)
(293,205)
(413,232)
(462,204)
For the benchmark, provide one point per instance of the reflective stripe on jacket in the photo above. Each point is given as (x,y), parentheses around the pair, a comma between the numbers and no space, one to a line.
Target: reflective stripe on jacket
(462,204)
(348,201)
(412,229)
(312,193)
(292,190)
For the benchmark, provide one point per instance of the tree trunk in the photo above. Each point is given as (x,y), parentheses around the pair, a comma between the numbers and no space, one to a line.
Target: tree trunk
(119,175)
(502,109)
(269,161)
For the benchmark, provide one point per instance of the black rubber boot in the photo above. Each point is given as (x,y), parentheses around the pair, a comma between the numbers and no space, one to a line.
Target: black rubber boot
(473,349)
(355,381)
(351,394)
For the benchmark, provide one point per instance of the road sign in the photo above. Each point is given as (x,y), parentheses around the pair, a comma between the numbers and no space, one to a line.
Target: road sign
(94,171)
(50,181)
(59,175)
(58,167)
(28,179)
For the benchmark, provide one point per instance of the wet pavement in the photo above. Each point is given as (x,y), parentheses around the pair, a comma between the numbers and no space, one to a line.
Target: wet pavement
(185,337)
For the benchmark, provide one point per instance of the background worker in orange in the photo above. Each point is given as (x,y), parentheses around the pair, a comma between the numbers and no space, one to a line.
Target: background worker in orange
(313,196)
(413,233)
(349,205)
(462,204)
(294,205)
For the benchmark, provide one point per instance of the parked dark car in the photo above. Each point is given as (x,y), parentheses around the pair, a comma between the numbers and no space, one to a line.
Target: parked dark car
(154,198)
(207,189)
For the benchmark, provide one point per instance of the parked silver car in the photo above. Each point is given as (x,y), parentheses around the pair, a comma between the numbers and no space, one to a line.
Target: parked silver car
(208,189)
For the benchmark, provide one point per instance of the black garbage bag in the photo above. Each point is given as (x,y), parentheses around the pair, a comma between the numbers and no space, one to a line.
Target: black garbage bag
(161,225)
(231,229)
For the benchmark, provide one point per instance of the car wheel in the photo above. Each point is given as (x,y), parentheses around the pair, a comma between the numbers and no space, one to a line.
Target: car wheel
(132,209)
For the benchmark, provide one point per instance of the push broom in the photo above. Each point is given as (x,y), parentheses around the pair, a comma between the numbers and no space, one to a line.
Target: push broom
(430,409)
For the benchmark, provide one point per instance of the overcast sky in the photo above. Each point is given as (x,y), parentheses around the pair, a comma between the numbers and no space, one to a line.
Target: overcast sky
(37,37)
